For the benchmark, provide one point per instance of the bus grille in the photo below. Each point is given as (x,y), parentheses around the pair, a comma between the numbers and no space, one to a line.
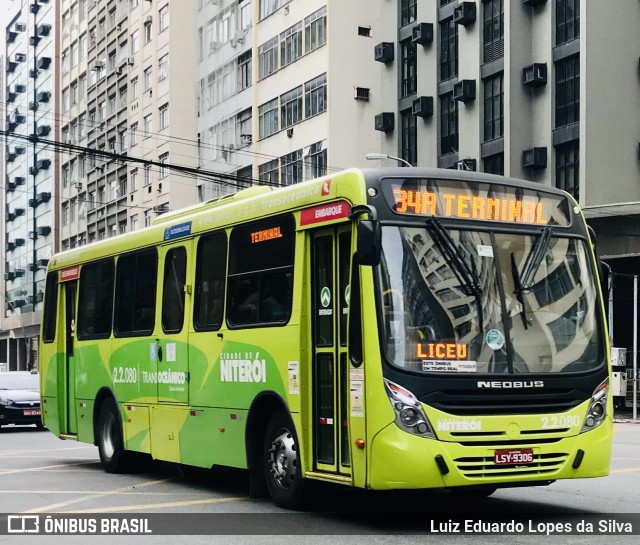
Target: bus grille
(477,467)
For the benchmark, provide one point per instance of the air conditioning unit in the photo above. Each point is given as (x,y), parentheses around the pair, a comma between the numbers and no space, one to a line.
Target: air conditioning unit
(10,246)
(43,197)
(534,158)
(18,212)
(11,157)
(289,134)
(19,242)
(21,88)
(43,230)
(19,118)
(44,96)
(11,186)
(33,171)
(44,63)
(11,96)
(464,13)
(384,52)
(465,90)
(422,107)
(34,40)
(33,73)
(385,122)
(21,57)
(20,180)
(20,26)
(535,74)
(43,30)
(43,164)
(148,20)
(20,150)
(130,61)
(361,93)
(34,8)
(19,273)
(214,46)
(466,164)
(422,33)
(42,262)
(43,130)
(9,276)
(234,42)
(33,105)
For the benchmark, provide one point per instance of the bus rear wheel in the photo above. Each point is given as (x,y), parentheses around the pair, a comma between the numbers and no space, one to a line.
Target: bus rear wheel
(110,443)
(281,463)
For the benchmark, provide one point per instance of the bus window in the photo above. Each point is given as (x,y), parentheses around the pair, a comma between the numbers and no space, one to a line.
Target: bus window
(95,303)
(136,293)
(175,273)
(50,308)
(211,268)
(261,272)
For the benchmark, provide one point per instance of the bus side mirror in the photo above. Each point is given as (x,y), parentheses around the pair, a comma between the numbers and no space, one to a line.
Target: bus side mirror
(369,244)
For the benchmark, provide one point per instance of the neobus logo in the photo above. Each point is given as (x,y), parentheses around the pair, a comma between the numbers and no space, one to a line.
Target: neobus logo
(507,384)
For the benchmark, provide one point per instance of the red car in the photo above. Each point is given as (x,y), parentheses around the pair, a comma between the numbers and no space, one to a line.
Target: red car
(20,398)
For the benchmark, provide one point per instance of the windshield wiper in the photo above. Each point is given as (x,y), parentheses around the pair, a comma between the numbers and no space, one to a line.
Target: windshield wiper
(534,259)
(466,275)
(517,283)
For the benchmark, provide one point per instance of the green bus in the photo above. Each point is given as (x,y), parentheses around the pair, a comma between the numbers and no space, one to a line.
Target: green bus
(378,328)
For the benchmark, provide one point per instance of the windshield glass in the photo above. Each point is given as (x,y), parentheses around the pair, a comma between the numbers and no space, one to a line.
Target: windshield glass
(456,301)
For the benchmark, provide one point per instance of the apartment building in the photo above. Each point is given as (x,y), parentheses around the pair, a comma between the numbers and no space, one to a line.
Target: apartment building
(29,189)
(125,113)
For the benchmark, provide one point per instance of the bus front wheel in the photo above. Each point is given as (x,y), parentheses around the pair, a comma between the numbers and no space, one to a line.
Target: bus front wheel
(281,463)
(110,442)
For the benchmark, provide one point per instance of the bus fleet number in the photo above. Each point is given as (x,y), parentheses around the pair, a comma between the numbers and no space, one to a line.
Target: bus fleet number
(565,421)
(125,375)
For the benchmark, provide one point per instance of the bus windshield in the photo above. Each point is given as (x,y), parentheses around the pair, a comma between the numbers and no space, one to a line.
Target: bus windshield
(458,301)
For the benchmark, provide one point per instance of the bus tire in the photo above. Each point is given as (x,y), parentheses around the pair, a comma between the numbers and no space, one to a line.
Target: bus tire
(110,442)
(281,464)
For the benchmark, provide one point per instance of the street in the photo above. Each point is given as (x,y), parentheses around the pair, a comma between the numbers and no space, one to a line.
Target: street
(42,474)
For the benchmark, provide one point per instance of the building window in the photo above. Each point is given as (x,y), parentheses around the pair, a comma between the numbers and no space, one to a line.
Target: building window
(315,96)
(147,126)
(267,7)
(134,134)
(147,174)
(409,79)
(315,30)
(448,124)
(244,13)
(164,116)
(291,107)
(291,168)
(494,164)
(493,107)
(147,78)
(134,88)
(409,143)
(567,20)
(407,11)
(268,172)
(316,160)
(268,58)
(164,170)
(243,128)
(568,91)
(163,67)
(493,30)
(268,118)
(134,222)
(448,49)
(135,42)
(134,180)
(163,16)
(567,168)
(147,31)
(291,44)
(244,71)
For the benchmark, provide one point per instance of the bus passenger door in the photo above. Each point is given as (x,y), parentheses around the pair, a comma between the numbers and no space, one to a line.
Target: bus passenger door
(67,373)
(330,262)
(173,336)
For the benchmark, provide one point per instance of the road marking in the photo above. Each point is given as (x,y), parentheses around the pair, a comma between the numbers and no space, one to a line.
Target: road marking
(28,469)
(628,470)
(94,495)
(11,452)
(132,508)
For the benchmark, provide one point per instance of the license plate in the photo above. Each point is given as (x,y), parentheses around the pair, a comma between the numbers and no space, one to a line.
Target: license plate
(31,412)
(510,457)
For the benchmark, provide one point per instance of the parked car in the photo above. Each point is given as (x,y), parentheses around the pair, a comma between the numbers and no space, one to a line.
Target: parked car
(20,398)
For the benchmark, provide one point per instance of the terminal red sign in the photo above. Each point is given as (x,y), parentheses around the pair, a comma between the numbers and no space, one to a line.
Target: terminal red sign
(325,212)
(71,273)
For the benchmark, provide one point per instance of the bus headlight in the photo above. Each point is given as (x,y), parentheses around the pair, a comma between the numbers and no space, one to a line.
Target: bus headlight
(409,414)
(598,407)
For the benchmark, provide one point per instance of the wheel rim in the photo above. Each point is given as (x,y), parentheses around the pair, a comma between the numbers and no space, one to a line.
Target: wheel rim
(283,459)
(108,436)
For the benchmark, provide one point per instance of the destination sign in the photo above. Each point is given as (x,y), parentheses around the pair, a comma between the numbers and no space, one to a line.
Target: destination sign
(470,200)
